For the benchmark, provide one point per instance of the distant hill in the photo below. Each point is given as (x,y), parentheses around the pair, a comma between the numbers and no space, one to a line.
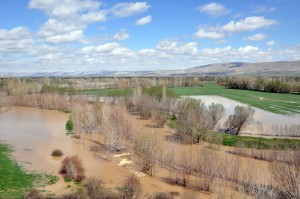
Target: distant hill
(287,68)
(244,68)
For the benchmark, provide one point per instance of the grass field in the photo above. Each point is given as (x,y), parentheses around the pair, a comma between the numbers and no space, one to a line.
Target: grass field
(254,142)
(14,182)
(273,102)
(107,92)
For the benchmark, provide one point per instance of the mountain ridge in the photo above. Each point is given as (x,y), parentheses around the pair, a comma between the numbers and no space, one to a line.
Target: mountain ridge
(278,68)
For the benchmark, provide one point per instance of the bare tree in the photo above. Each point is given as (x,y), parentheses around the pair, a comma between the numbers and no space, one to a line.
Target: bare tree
(216,112)
(242,116)
(192,119)
(132,188)
(149,148)
(287,176)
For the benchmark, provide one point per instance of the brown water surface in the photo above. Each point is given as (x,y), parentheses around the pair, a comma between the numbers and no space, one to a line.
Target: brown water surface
(34,133)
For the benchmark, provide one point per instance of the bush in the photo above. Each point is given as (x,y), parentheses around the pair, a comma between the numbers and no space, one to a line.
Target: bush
(72,167)
(57,153)
(33,194)
(95,190)
(132,188)
(69,125)
(162,195)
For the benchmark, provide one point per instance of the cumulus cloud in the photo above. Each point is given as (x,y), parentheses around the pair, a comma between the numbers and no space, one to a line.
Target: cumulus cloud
(143,21)
(16,41)
(243,25)
(247,24)
(270,43)
(121,35)
(202,33)
(256,37)
(214,9)
(69,8)
(174,47)
(129,8)
(113,56)
(108,48)
(68,18)
(248,49)
(67,37)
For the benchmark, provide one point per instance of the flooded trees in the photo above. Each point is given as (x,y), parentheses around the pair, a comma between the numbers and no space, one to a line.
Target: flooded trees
(114,127)
(216,112)
(149,148)
(193,119)
(242,116)
(132,188)
(72,167)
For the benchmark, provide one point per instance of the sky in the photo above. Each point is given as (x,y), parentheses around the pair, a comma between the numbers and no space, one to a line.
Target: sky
(92,35)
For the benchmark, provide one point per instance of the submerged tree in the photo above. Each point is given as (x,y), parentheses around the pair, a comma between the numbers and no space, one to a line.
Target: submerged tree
(216,112)
(242,116)
(192,119)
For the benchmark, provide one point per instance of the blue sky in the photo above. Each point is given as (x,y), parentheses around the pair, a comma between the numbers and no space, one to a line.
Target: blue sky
(92,35)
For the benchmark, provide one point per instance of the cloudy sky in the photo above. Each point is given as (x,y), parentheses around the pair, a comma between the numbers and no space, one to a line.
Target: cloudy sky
(92,35)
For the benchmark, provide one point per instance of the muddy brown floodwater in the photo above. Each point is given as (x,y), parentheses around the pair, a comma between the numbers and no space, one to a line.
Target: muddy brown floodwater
(34,133)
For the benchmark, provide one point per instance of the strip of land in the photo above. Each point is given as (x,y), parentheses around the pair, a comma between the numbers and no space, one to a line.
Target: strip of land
(272,102)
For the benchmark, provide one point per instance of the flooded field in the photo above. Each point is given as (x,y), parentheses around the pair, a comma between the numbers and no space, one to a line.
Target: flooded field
(265,123)
(34,133)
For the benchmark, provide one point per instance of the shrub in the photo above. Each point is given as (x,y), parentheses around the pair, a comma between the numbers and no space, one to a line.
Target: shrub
(95,190)
(162,195)
(69,125)
(72,167)
(33,194)
(132,188)
(57,153)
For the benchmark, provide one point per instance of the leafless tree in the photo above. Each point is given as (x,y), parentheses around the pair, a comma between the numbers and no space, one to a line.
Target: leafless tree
(242,116)
(192,119)
(287,176)
(132,188)
(216,112)
(149,148)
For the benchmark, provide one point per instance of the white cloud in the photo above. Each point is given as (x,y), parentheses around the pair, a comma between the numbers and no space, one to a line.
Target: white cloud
(67,37)
(202,33)
(54,27)
(263,8)
(129,8)
(248,50)
(16,41)
(144,21)
(213,9)
(216,51)
(64,8)
(108,49)
(68,18)
(256,37)
(121,35)
(248,24)
(270,43)
(174,47)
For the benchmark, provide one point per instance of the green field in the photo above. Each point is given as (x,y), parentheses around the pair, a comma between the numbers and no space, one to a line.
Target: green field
(273,102)
(14,181)
(253,142)
(107,92)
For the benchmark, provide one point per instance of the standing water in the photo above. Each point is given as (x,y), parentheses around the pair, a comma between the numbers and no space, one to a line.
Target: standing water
(265,123)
